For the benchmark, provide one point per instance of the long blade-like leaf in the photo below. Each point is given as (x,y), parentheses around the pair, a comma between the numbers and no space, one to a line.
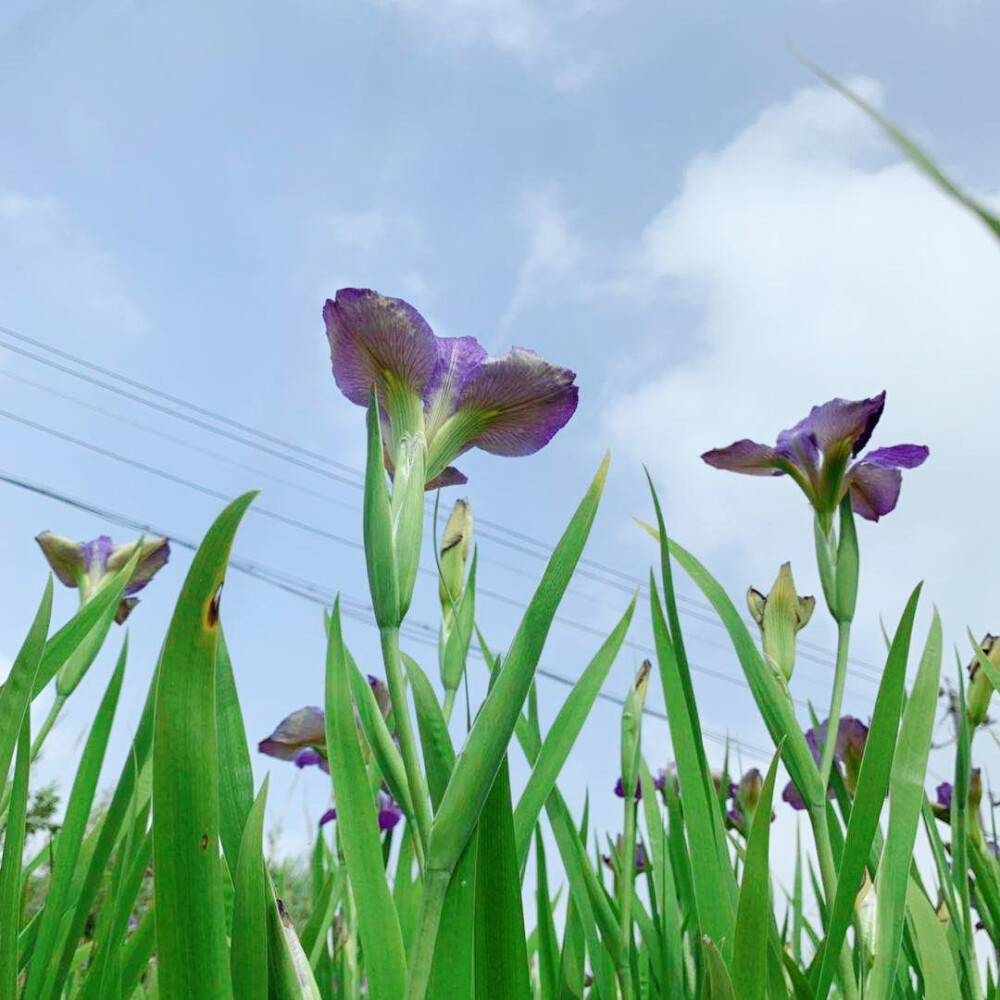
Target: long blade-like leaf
(10,866)
(249,939)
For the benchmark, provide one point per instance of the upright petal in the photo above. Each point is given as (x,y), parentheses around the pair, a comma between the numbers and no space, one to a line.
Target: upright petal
(296,732)
(96,555)
(843,422)
(457,359)
(517,403)
(745,456)
(874,489)
(375,340)
(65,557)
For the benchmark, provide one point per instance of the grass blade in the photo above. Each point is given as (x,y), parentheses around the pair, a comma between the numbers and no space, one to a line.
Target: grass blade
(10,867)
(192,957)
(439,754)
(249,939)
(548,945)
(357,829)
(906,795)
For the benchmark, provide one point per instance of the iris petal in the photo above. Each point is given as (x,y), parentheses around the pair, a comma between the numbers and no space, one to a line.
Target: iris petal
(373,339)
(874,489)
(745,456)
(899,456)
(303,728)
(843,421)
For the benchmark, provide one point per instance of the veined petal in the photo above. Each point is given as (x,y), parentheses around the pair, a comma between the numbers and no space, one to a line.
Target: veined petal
(457,358)
(449,476)
(154,556)
(874,489)
(842,422)
(517,403)
(375,340)
(303,728)
(96,555)
(898,456)
(745,456)
(65,557)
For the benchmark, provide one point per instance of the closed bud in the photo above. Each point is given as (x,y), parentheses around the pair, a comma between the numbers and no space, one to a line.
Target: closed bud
(632,726)
(980,688)
(866,907)
(408,512)
(455,546)
(780,616)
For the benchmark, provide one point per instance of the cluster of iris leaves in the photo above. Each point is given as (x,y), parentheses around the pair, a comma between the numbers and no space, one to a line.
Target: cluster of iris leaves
(434,908)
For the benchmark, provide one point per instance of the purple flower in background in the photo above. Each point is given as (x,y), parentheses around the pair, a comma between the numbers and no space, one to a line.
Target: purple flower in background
(620,789)
(852,735)
(389,813)
(942,807)
(641,861)
(945,793)
(818,452)
(90,566)
(299,737)
(446,389)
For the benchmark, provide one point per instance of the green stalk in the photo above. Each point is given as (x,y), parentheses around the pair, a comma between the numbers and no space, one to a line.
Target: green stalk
(46,727)
(422,956)
(627,861)
(836,701)
(407,743)
(828,872)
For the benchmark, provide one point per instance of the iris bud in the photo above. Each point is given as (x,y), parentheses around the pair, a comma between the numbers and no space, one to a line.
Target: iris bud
(980,688)
(455,546)
(780,616)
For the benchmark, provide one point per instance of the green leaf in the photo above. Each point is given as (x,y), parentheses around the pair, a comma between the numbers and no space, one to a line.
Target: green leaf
(869,798)
(571,960)
(249,938)
(749,965)
(912,151)
(357,830)
(15,695)
(906,794)
(548,945)
(453,971)
(192,957)
(718,985)
(439,754)
(67,854)
(563,734)
(289,974)
(501,958)
(937,965)
(10,867)
(486,745)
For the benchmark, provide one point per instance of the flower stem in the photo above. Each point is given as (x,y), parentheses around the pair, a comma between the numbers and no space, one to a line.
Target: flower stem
(46,728)
(828,872)
(422,955)
(836,701)
(627,862)
(407,743)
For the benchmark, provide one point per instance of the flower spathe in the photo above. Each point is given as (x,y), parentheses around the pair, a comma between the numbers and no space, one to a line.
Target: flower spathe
(819,453)
(445,390)
(89,566)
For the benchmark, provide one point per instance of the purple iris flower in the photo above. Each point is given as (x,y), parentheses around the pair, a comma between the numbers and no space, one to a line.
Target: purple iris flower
(641,861)
(945,793)
(389,813)
(852,734)
(89,566)
(445,389)
(620,789)
(818,453)
(942,807)
(299,737)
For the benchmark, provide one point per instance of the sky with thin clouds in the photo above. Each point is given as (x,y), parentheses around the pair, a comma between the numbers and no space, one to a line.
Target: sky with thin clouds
(659,196)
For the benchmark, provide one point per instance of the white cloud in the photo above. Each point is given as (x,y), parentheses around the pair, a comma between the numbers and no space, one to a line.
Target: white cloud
(815,268)
(50,267)
(531,30)
(554,252)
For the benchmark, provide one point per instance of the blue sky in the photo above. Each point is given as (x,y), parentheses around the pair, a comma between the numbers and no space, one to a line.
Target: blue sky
(659,196)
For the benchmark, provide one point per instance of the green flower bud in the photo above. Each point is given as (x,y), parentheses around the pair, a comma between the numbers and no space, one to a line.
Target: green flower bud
(632,726)
(980,689)
(455,547)
(780,616)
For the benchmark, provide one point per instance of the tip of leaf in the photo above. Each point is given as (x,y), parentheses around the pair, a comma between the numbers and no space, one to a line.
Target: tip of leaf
(647,527)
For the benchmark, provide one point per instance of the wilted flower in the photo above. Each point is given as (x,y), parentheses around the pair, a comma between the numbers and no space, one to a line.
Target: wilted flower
(817,454)
(980,687)
(780,615)
(852,734)
(444,390)
(389,813)
(90,566)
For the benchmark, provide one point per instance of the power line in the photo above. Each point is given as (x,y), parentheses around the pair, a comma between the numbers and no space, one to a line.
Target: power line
(601,573)
(317,594)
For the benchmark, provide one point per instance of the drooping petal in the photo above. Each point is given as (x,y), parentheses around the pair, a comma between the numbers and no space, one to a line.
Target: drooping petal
(874,489)
(842,422)
(792,797)
(745,456)
(302,729)
(448,477)
(898,456)
(64,556)
(328,817)
(125,608)
(374,338)
(154,556)
(312,758)
(389,813)
(517,403)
